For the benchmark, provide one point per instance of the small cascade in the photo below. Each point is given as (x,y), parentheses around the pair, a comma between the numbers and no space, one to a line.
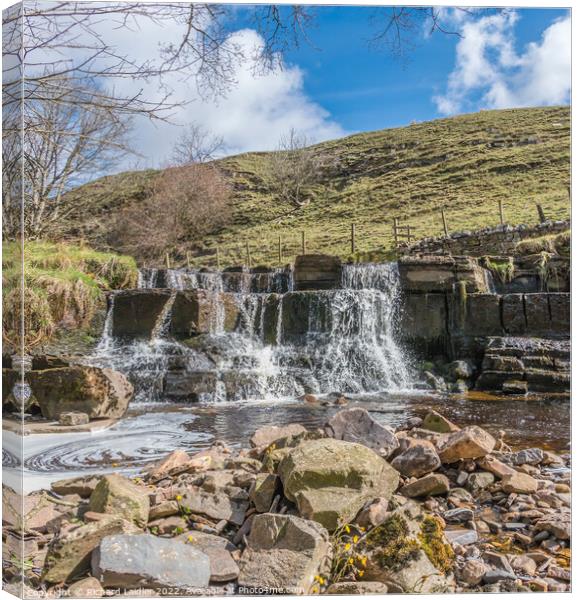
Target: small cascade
(256,347)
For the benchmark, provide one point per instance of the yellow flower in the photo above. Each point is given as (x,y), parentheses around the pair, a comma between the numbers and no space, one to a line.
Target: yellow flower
(317,578)
(347,529)
(361,528)
(178,498)
(364,561)
(315,590)
(347,546)
(190,538)
(361,573)
(351,561)
(355,539)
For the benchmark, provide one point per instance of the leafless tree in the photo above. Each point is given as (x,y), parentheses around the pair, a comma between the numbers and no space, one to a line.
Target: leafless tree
(187,203)
(295,168)
(397,27)
(66,143)
(196,145)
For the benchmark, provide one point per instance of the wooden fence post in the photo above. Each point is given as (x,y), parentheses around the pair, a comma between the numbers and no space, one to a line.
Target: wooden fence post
(248,259)
(542,217)
(188,259)
(279,251)
(167,260)
(501,215)
(353,239)
(395,231)
(304,242)
(446,229)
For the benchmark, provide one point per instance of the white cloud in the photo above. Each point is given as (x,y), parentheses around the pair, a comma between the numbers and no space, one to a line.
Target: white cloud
(253,115)
(489,73)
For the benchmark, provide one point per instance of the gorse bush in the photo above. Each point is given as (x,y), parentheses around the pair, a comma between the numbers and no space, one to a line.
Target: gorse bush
(63,285)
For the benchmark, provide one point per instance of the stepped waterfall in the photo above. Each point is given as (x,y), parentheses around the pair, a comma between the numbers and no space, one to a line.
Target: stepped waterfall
(282,344)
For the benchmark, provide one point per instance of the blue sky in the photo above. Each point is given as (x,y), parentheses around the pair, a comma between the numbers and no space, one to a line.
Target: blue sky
(366,89)
(337,85)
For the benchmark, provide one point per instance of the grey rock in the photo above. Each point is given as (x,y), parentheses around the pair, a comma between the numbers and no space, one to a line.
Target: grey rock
(146,561)
(458,515)
(216,506)
(461,536)
(283,553)
(417,460)
(529,456)
(357,588)
(356,425)
(479,481)
(265,436)
(496,575)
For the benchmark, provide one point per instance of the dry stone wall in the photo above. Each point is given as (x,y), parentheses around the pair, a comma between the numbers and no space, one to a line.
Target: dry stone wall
(498,241)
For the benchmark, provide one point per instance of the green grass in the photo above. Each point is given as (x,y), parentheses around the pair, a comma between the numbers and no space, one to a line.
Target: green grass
(464,164)
(63,286)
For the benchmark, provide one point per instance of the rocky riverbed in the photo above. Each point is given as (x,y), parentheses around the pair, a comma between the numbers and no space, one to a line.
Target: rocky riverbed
(352,506)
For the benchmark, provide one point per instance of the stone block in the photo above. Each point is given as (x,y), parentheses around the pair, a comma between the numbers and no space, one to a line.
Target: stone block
(317,272)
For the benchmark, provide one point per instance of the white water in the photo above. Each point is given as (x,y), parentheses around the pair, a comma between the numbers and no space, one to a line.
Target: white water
(348,346)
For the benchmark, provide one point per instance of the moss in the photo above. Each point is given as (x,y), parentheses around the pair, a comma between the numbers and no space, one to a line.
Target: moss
(391,546)
(502,269)
(433,543)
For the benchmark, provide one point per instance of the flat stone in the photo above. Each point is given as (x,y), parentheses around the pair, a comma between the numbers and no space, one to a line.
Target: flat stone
(283,554)
(217,506)
(495,466)
(70,419)
(495,575)
(471,442)
(520,483)
(434,484)
(356,425)
(515,387)
(167,508)
(557,524)
(461,536)
(175,459)
(147,561)
(117,495)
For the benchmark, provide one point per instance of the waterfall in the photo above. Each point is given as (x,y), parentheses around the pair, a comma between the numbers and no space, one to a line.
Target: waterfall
(277,344)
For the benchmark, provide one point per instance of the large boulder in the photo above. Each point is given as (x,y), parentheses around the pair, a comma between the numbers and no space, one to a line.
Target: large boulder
(283,555)
(356,425)
(330,480)
(100,393)
(117,495)
(69,554)
(147,561)
(470,442)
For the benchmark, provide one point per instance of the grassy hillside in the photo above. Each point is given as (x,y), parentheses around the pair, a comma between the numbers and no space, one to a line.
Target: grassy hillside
(463,164)
(63,287)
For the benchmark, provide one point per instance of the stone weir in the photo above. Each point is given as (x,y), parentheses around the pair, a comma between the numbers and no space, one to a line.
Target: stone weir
(514,330)
(258,334)
(326,327)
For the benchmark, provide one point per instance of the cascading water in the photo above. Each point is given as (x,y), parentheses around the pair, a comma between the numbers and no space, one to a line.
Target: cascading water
(344,339)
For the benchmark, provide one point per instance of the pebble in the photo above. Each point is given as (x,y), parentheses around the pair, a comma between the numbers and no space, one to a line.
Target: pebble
(496,575)
(461,536)
(458,515)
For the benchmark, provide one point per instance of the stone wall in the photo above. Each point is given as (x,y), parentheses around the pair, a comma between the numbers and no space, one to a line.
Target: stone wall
(496,241)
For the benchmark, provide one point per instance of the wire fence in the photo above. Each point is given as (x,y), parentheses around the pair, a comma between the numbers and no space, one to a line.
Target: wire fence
(378,241)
